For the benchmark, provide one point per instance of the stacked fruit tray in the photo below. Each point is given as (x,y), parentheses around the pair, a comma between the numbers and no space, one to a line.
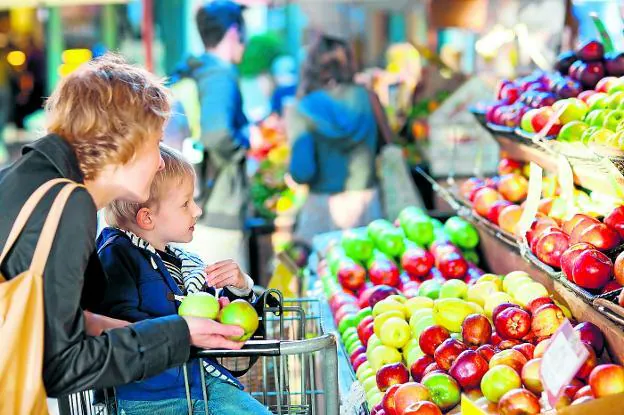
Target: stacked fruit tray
(422,325)
(577,110)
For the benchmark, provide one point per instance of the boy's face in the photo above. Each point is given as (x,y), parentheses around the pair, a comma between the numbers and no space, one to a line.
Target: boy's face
(175,217)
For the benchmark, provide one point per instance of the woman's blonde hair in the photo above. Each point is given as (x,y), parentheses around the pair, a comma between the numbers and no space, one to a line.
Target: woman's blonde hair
(177,170)
(106,110)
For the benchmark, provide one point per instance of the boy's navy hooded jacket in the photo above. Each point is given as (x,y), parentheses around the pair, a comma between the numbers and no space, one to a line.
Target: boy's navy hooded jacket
(138,289)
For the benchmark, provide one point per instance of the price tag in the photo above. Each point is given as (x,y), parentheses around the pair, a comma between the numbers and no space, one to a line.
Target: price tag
(562,359)
(532,202)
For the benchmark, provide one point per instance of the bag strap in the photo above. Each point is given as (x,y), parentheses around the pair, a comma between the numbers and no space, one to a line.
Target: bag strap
(24,214)
(46,238)
(380,117)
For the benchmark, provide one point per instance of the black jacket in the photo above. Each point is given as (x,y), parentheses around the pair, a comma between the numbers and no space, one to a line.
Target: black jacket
(73,279)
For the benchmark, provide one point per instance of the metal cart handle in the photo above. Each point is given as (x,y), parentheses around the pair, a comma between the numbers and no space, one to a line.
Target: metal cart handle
(325,343)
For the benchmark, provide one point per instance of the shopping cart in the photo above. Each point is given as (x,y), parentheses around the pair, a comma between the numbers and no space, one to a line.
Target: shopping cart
(281,370)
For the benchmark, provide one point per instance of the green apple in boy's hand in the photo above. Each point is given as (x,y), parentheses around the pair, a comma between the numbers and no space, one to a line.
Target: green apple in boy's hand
(240,313)
(199,305)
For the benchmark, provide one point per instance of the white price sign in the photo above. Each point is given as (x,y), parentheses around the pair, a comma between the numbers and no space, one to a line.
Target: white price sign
(561,361)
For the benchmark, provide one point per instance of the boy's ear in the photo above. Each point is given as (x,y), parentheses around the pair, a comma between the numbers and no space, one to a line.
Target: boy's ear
(144,219)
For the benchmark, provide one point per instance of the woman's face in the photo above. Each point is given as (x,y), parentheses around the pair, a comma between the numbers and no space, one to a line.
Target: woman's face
(135,177)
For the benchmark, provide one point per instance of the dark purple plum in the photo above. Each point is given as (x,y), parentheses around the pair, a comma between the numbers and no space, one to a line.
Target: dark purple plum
(564,61)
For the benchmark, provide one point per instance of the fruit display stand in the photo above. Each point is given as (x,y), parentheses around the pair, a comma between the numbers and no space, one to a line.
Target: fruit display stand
(503,254)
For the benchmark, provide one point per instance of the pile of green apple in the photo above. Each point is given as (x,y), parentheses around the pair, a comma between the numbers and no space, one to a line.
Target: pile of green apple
(485,338)
(402,254)
(237,313)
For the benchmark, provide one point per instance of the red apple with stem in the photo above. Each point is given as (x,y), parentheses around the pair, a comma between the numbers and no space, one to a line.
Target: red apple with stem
(513,323)
(391,374)
(550,246)
(387,402)
(446,353)
(476,330)
(568,257)
(607,379)
(431,338)
(592,335)
(487,351)
(468,369)
(590,363)
(591,269)
(409,393)
(615,220)
(546,320)
(600,236)
(417,370)
(519,401)
(510,357)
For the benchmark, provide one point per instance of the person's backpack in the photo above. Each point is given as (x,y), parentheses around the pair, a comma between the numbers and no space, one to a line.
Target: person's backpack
(183,130)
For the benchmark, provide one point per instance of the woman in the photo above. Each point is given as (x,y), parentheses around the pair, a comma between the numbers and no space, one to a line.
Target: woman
(105,122)
(335,143)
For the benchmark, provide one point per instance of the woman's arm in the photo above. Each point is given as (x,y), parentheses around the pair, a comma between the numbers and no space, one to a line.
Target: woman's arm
(96,324)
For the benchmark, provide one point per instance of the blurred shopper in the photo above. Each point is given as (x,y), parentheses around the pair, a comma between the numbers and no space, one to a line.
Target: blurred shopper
(284,72)
(334,142)
(115,155)
(223,130)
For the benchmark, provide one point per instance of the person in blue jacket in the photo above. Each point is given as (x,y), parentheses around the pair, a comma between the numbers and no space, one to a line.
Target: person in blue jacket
(335,142)
(145,274)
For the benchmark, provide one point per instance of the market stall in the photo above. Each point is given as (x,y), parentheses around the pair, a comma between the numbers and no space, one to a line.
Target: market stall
(513,304)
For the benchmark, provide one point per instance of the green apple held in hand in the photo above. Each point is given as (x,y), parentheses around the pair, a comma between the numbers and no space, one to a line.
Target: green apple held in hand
(199,305)
(240,313)
(572,131)
(574,110)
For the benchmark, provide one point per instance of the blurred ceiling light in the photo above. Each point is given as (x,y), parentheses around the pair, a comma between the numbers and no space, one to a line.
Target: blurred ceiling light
(16,58)
(489,44)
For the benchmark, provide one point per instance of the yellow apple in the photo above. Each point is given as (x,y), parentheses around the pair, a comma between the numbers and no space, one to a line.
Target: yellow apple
(417,303)
(381,319)
(383,355)
(494,300)
(511,277)
(529,292)
(387,305)
(479,292)
(496,279)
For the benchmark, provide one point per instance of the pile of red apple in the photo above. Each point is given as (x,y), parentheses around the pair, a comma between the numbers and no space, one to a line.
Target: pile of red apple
(578,247)
(497,198)
(496,362)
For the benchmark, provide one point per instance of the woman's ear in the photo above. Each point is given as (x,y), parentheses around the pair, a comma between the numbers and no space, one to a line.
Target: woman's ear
(144,219)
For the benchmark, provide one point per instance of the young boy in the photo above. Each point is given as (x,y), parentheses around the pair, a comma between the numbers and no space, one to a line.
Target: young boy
(145,271)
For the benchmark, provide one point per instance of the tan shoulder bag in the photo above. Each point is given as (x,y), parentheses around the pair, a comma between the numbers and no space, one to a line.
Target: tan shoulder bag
(21,312)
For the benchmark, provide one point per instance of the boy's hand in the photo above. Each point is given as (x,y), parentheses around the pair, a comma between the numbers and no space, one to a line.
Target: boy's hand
(95,324)
(225,273)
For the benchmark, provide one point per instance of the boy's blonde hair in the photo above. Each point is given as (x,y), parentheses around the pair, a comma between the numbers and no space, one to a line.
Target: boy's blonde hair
(176,171)
(107,109)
